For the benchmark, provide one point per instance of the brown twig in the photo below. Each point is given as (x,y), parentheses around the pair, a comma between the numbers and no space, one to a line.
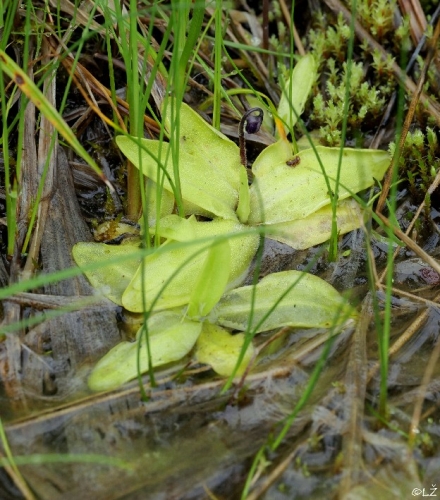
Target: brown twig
(159,398)
(292,28)
(272,476)
(412,245)
(47,160)
(19,481)
(258,67)
(405,337)
(356,385)
(417,19)
(418,405)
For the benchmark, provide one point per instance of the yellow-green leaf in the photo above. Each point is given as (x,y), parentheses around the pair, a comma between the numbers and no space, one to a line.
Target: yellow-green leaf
(317,227)
(177,228)
(166,200)
(309,302)
(209,164)
(277,153)
(212,280)
(170,339)
(296,91)
(202,182)
(203,142)
(111,280)
(282,193)
(160,267)
(218,348)
(244,207)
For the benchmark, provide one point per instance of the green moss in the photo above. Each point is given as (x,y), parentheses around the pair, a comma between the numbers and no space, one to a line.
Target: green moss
(371,81)
(431,86)
(419,162)
(365,109)
(377,16)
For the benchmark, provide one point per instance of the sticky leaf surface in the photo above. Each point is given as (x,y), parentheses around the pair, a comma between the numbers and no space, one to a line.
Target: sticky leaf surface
(282,193)
(244,207)
(219,349)
(171,338)
(317,227)
(212,280)
(209,164)
(111,280)
(311,302)
(296,91)
(160,267)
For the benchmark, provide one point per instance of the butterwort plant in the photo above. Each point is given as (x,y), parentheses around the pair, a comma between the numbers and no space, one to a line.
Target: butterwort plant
(188,284)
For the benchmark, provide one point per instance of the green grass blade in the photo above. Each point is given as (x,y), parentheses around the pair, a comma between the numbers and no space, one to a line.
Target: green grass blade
(217,65)
(71,458)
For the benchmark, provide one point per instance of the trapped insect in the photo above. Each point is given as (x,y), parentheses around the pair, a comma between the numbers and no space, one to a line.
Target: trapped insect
(293,162)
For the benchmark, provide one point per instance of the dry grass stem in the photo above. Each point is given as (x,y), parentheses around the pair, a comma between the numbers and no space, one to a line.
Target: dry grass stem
(418,405)
(355,384)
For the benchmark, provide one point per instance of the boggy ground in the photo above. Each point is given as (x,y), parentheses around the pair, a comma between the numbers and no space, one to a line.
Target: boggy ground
(188,440)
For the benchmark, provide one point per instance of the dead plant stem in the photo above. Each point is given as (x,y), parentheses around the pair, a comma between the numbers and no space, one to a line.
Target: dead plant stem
(298,43)
(418,405)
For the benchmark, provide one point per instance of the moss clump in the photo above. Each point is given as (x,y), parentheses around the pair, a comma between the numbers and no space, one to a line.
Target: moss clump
(431,88)
(377,17)
(420,161)
(366,104)
(371,80)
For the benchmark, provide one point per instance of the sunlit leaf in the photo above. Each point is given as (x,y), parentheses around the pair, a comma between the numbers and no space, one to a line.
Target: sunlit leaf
(275,154)
(209,164)
(218,348)
(203,142)
(159,267)
(170,339)
(282,193)
(316,227)
(212,280)
(201,184)
(177,228)
(311,302)
(296,90)
(111,280)
(166,202)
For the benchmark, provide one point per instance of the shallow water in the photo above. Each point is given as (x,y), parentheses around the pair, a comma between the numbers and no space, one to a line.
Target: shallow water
(187,439)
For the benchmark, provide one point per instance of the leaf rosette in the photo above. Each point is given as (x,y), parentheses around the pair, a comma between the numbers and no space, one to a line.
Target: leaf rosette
(188,283)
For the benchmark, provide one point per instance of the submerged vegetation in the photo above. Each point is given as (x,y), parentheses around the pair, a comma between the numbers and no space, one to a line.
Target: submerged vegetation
(253,171)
